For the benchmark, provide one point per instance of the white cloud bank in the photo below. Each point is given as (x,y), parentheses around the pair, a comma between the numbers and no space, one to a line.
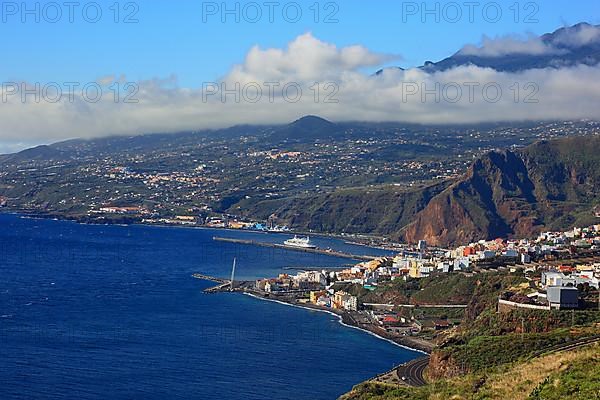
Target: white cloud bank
(395,95)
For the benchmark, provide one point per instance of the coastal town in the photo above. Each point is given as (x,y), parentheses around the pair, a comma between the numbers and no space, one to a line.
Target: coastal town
(194,178)
(559,271)
(350,200)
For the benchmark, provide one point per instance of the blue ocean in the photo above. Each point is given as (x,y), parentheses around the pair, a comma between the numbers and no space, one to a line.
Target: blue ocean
(112,312)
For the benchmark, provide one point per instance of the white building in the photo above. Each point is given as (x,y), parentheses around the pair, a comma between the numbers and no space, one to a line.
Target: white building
(554,278)
(311,277)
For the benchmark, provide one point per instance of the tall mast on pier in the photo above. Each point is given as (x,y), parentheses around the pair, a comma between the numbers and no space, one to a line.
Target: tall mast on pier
(232,274)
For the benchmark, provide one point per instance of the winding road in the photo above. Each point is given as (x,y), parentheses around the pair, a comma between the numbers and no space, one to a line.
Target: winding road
(411,373)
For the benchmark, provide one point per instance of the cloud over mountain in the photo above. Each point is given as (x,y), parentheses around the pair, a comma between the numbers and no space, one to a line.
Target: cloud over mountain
(560,42)
(577,36)
(506,45)
(311,76)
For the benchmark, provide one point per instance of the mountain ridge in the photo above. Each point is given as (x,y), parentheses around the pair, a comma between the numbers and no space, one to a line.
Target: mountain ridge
(563,50)
(504,194)
(551,184)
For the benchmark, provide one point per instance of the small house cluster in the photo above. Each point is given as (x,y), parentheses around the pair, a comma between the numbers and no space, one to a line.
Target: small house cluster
(551,285)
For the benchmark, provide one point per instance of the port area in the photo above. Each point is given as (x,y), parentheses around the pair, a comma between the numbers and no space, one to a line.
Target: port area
(223,285)
(355,319)
(315,250)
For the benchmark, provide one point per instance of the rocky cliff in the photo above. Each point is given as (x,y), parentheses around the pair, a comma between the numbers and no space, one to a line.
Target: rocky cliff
(552,184)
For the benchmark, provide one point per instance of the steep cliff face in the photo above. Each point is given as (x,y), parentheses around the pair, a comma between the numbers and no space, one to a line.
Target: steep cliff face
(515,194)
(494,199)
(444,366)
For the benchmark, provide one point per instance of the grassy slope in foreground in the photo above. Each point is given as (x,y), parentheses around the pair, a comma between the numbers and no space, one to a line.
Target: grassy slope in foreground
(568,375)
(472,359)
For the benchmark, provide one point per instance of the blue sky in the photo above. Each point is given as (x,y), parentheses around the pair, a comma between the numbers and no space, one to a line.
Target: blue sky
(171,38)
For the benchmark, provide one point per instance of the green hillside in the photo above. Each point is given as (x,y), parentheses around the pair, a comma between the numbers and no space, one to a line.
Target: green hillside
(548,185)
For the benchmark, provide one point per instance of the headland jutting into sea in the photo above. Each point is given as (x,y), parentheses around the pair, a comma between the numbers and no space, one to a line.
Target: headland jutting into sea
(289,298)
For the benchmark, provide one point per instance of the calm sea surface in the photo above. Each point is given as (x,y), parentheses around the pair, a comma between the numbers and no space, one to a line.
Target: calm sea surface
(111,312)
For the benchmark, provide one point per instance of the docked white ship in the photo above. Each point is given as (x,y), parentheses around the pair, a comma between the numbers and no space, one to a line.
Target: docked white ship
(303,243)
